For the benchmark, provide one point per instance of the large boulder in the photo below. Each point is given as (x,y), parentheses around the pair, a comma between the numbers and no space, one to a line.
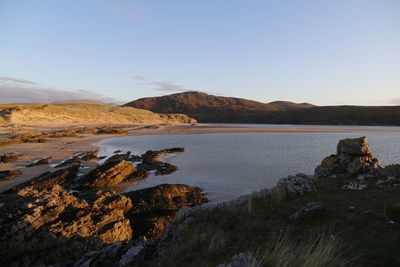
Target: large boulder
(353,157)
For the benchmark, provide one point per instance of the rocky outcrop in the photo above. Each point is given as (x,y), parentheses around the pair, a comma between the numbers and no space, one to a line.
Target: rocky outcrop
(65,177)
(9,174)
(154,208)
(353,157)
(112,172)
(59,216)
(50,225)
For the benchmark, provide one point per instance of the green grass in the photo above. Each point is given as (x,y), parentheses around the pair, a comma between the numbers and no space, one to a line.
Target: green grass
(359,237)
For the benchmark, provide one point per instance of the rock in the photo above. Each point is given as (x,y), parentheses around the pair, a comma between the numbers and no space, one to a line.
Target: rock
(155,207)
(242,260)
(65,177)
(41,161)
(9,174)
(310,208)
(89,155)
(353,158)
(354,186)
(392,170)
(78,158)
(150,162)
(295,185)
(50,226)
(137,175)
(112,172)
(69,161)
(8,157)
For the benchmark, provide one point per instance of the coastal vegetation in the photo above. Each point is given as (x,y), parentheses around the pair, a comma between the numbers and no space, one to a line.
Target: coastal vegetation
(82,113)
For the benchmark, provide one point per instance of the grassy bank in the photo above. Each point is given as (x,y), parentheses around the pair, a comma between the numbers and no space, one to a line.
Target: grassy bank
(354,228)
(82,113)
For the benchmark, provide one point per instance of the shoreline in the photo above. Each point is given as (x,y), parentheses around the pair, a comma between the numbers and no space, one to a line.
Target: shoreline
(61,148)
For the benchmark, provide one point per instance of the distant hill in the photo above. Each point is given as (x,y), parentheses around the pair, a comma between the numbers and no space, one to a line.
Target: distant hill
(74,113)
(202,106)
(209,108)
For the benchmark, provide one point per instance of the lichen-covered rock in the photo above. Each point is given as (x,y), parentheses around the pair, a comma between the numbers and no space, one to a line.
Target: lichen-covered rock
(293,186)
(353,157)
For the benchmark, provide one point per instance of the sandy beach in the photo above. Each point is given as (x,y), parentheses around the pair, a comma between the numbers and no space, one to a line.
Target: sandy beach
(60,148)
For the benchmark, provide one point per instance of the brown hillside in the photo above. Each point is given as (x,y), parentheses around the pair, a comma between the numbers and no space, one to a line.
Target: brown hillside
(196,103)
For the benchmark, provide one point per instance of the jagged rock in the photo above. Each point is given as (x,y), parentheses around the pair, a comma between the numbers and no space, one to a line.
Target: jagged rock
(69,161)
(155,207)
(49,225)
(89,155)
(64,177)
(78,158)
(353,157)
(150,162)
(112,172)
(8,157)
(242,260)
(42,161)
(116,255)
(311,207)
(119,157)
(295,185)
(137,175)
(9,174)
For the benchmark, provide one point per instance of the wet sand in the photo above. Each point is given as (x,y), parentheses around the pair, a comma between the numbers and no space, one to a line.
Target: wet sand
(61,148)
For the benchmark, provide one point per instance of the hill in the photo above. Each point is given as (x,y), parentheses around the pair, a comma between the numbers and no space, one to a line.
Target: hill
(209,108)
(203,106)
(74,113)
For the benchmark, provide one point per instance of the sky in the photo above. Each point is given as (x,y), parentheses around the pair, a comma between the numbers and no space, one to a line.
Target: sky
(321,52)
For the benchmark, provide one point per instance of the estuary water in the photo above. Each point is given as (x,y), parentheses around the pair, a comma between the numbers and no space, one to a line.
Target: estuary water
(227,166)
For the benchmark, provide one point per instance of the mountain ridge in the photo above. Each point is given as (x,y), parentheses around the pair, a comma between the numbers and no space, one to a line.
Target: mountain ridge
(216,109)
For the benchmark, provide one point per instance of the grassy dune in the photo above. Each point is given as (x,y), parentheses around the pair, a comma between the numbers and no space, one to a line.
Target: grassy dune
(82,113)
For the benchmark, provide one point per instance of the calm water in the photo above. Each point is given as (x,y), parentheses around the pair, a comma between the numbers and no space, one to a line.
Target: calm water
(226,166)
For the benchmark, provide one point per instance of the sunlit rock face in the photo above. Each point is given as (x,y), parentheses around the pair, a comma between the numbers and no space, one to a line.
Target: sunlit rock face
(353,157)
(43,221)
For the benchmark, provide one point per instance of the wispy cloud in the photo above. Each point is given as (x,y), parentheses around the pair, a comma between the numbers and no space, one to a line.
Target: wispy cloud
(14,90)
(13,80)
(168,86)
(132,12)
(139,78)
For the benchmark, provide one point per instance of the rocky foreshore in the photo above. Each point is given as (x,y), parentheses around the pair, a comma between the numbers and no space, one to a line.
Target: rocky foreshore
(59,216)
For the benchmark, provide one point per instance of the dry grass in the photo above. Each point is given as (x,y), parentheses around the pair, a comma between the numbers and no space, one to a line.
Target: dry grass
(322,250)
(79,113)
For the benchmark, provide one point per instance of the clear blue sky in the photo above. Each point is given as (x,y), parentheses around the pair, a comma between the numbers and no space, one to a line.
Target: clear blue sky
(323,52)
